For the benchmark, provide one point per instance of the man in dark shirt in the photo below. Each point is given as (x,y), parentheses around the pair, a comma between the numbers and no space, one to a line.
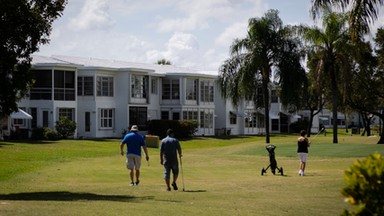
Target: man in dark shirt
(169,148)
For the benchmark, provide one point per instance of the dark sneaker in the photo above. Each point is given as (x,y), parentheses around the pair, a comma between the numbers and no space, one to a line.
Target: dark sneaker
(137,182)
(169,189)
(174,186)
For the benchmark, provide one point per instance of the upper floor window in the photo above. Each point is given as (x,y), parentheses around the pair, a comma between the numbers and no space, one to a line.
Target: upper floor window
(274,97)
(64,85)
(139,86)
(206,91)
(191,89)
(171,89)
(154,85)
(104,86)
(85,86)
(42,89)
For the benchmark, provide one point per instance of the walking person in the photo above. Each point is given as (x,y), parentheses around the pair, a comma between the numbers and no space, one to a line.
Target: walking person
(134,143)
(169,148)
(302,150)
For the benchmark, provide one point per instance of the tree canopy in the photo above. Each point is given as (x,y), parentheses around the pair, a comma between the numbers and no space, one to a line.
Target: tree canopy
(268,48)
(24,25)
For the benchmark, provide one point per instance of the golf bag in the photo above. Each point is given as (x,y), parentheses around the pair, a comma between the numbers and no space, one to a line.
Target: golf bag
(272,161)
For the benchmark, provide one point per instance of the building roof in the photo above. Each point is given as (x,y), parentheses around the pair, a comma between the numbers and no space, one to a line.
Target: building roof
(84,62)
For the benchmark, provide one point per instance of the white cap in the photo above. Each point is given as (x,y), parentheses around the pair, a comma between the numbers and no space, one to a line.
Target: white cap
(134,128)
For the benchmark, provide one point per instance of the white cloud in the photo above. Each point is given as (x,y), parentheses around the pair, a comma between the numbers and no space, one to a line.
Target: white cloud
(237,30)
(199,14)
(93,15)
(181,49)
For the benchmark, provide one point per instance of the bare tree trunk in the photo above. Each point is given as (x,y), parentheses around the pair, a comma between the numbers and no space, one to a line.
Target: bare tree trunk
(266,107)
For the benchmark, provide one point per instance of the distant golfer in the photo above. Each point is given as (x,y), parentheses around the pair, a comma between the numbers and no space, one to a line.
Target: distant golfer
(169,148)
(134,143)
(302,150)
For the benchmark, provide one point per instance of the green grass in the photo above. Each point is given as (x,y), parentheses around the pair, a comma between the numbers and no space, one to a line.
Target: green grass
(221,176)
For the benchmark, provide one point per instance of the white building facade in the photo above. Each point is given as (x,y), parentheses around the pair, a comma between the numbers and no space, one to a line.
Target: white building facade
(106,97)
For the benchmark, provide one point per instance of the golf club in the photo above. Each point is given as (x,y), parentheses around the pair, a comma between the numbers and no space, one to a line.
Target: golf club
(182,173)
(317,134)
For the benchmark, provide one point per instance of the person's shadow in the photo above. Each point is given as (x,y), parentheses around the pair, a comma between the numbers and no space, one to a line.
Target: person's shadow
(70,196)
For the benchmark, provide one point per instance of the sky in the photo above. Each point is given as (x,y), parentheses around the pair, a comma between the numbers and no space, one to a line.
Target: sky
(189,33)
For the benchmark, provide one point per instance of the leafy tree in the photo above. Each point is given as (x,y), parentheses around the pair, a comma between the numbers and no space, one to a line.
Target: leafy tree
(361,13)
(65,127)
(164,62)
(24,24)
(268,45)
(365,188)
(331,44)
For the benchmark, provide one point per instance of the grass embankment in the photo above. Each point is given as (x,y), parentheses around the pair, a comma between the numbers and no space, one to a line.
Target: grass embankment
(221,177)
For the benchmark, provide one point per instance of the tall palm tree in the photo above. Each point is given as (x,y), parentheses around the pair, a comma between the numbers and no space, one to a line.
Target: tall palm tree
(267,45)
(362,12)
(330,43)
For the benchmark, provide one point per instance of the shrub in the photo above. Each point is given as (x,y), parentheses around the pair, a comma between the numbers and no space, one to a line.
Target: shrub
(52,134)
(65,127)
(39,133)
(182,128)
(365,186)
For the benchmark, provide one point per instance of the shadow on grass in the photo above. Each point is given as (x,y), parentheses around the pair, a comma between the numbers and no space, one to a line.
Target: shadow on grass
(194,191)
(70,196)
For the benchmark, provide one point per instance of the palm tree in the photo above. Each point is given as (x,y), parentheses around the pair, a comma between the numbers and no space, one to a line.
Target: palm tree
(163,62)
(267,45)
(362,13)
(330,43)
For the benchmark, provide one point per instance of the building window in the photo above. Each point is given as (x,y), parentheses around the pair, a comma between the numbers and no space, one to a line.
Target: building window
(64,88)
(206,119)
(67,112)
(164,115)
(154,88)
(275,124)
(85,86)
(171,89)
(190,115)
(191,89)
(104,86)
(138,116)
(45,118)
(107,118)
(250,119)
(87,121)
(42,89)
(175,116)
(232,118)
(33,112)
(274,97)
(206,91)
(139,86)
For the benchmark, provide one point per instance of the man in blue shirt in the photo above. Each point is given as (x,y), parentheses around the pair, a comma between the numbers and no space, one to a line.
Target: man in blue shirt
(169,148)
(134,143)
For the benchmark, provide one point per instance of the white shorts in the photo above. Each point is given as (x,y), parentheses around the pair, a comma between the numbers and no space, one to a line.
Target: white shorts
(303,156)
(133,162)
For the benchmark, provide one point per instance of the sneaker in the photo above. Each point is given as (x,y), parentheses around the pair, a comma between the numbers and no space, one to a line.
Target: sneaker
(132,184)
(174,186)
(169,189)
(137,182)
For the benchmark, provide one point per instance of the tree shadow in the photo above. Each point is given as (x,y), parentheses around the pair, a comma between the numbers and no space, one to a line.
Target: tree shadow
(70,196)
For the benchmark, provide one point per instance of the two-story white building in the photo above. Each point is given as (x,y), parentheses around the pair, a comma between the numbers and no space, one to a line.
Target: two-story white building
(104,97)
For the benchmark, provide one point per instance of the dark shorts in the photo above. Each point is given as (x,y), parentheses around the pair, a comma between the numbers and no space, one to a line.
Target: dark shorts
(171,167)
